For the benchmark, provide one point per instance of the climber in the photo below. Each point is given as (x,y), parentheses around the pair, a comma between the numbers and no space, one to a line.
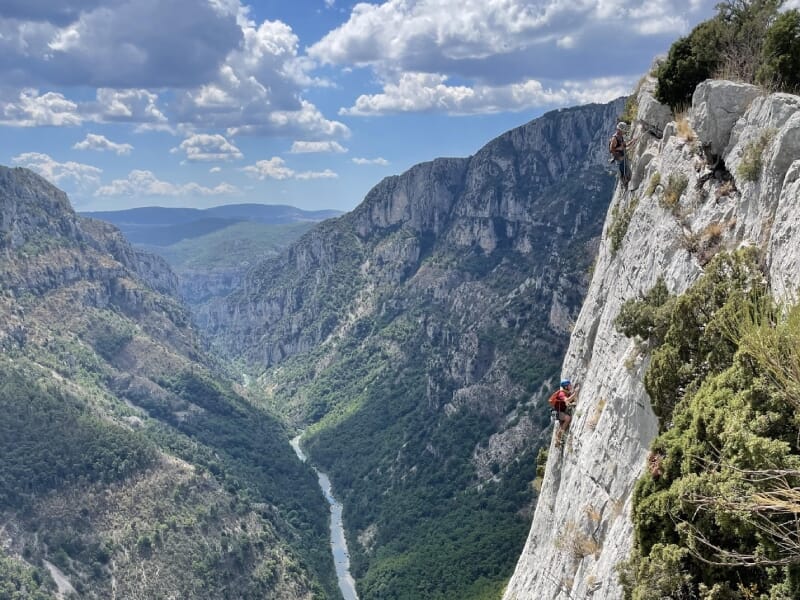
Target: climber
(617,146)
(562,401)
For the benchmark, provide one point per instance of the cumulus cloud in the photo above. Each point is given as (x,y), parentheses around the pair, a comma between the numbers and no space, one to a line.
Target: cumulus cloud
(144,183)
(118,44)
(258,89)
(427,92)
(203,147)
(217,67)
(59,172)
(215,170)
(93,141)
(136,106)
(275,168)
(32,109)
(371,161)
(502,41)
(300,147)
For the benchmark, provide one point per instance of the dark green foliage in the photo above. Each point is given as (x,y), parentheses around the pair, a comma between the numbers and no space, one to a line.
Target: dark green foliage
(691,60)
(781,65)
(246,450)
(725,421)
(49,440)
(746,23)
(620,219)
(696,342)
(732,45)
(691,330)
(649,317)
(20,582)
(109,337)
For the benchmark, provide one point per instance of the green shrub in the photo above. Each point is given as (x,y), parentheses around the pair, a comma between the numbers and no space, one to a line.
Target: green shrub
(676,185)
(690,60)
(661,574)
(729,45)
(716,520)
(655,181)
(780,68)
(620,219)
(749,168)
(647,318)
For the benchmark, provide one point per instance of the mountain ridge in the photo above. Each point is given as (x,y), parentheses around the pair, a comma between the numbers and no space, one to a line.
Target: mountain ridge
(131,463)
(415,337)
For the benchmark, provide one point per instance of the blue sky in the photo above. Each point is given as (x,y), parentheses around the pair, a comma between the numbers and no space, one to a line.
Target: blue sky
(126,103)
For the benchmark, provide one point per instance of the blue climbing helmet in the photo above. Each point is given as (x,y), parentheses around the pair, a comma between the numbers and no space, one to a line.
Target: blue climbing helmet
(565,383)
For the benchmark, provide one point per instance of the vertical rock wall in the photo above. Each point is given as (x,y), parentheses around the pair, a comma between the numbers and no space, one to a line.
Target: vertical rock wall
(582,526)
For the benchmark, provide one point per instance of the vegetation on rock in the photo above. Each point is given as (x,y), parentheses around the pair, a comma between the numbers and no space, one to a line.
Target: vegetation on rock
(747,40)
(715,515)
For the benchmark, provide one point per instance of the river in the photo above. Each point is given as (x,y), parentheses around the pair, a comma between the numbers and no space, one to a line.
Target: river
(341,557)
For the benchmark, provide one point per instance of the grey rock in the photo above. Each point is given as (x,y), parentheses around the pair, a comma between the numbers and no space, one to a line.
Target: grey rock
(588,485)
(716,106)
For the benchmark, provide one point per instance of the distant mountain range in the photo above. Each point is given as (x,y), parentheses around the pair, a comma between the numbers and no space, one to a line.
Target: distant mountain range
(160,226)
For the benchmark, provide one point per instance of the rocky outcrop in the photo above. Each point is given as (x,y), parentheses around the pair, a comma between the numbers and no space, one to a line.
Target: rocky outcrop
(38,224)
(582,526)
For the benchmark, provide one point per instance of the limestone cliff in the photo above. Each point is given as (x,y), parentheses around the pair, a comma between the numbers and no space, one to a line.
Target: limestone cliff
(728,176)
(531,192)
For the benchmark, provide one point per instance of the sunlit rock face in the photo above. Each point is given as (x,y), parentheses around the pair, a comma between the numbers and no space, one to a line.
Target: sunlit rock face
(582,525)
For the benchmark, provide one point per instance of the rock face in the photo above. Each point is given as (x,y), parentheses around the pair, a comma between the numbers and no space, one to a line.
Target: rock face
(36,217)
(523,191)
(582,526)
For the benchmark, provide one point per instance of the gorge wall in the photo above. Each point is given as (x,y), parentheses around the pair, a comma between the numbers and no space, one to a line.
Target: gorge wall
(412,339)
(131,466)
(586,493)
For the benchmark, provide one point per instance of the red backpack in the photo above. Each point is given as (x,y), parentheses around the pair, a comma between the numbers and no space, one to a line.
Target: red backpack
(554,399)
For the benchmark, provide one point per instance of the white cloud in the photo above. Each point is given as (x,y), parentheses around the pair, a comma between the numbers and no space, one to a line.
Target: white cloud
(102,143)
(203,147)
(307,120)
(426,92)
(215,170)
(300,147)
(136,106)
(118,44)
(216,66)
(145,183)
(275,168)
(58,172)
(414,35)
(371,161)
(258,89)
(34,110)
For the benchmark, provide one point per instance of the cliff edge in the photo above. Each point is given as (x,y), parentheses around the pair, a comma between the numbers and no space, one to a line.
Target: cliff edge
(725,175)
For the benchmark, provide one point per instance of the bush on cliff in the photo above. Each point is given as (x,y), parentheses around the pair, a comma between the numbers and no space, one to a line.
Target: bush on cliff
(747,40)
(717,519)
(781,65)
